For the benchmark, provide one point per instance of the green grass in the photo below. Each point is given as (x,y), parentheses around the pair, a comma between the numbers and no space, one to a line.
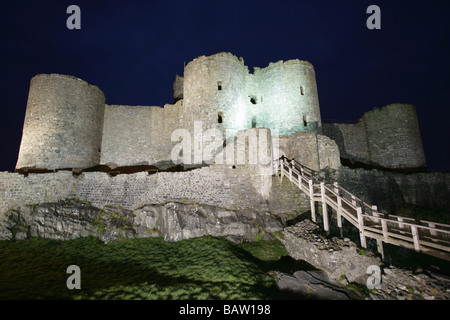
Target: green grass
(201,268)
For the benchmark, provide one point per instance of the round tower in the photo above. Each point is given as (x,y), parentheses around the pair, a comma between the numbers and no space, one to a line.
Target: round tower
(393,137)
(213,91)
(289,98)
(63,124)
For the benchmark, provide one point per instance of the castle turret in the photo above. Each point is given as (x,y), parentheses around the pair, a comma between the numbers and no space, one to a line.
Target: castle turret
(282,96)
(288,97)
(214,88)
(393,137)
(63,124)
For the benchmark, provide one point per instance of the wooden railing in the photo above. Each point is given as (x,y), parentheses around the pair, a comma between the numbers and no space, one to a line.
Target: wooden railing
(422,236)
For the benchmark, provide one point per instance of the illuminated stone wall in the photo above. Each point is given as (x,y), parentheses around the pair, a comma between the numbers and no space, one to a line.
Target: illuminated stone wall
(393,137)
(351,139)
(63,123)
(287,97)
(68,125)
(216,185)
(139,135)
(215,86)
(384,138)
(283,96)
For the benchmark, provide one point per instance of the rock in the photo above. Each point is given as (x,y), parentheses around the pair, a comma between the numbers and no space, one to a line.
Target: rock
(401,287)
(374,296)
(387,271)
(313,285)
(176,221)
(72,218)
(335,262)
(21,235)
(428,297)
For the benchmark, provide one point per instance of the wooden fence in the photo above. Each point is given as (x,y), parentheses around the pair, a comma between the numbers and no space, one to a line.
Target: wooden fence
(422,236)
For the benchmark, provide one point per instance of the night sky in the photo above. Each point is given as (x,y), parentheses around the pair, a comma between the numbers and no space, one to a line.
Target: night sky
(132,51)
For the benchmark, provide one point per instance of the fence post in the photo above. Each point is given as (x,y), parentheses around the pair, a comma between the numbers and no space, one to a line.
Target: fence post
(282,171)
(415,235)
(361,227)
(339,207)
(401,225)
(375,213)
(380,248)
(384,228)
(299,181)
(290,172)
(353,200)
(311,195)
(433,231)
(326,225)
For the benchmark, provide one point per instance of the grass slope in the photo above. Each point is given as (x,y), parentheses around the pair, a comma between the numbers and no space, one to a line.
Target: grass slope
(201,268)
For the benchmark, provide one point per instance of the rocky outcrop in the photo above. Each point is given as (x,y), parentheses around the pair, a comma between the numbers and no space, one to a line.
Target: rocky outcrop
(72,218)
(176,221)
(313,285)
(339,258)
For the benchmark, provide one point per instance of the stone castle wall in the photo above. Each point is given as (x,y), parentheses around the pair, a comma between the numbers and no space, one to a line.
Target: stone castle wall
(393,137)
(313,150)
(213,86)
(351,139)
(139,135)
(384,138)
(216,185)
(288,97)
(68,125)
(282,96)
(63,123)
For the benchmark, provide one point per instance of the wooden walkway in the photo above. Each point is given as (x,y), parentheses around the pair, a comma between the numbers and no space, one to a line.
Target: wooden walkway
(422,236)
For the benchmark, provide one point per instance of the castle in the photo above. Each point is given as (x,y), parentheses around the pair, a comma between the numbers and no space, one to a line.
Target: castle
(74,145)
(86,168)
(69,126)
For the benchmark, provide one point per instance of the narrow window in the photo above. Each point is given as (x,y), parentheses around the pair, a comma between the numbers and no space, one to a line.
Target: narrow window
(219,85)
(220,117)
(301,90)
(253,122)
(304,121)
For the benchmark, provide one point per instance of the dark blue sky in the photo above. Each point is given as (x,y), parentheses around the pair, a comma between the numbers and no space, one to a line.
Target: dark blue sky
(133,49)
